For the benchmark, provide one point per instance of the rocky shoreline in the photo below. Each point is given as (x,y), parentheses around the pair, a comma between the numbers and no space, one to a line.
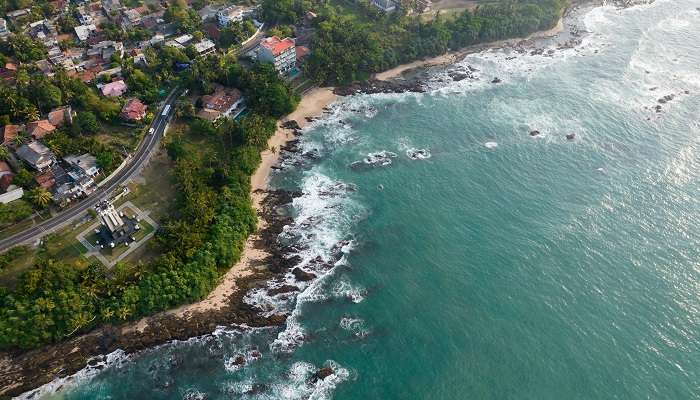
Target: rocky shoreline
(24,371)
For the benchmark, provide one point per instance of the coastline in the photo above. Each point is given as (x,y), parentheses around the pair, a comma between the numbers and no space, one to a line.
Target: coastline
(22,372)
(311,105)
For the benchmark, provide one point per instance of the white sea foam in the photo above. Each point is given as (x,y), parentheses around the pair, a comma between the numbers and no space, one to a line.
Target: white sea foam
(354,325)
(114,359)
(300,385)
(490,145)
(418,154)
(344,289)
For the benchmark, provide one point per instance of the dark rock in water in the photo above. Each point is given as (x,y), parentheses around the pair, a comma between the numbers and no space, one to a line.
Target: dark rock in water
(257,388)
(282,289)
(310,119)
(373,86)
(291,124)
(302,275)
(255,354)
(658,109)
(571,136)
(239,360)
(496,80)
(322,374)
(534,133)
(665,99)
(457,75)
(277,319)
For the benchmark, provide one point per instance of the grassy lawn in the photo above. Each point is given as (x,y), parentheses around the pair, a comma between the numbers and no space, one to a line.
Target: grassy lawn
(154,189)
(61,245)
(17,263)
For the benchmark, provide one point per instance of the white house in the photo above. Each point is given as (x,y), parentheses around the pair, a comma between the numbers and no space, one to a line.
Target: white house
(83,32)
(86,163)
(230,14)
(205,47)
(280,52)
(385,5)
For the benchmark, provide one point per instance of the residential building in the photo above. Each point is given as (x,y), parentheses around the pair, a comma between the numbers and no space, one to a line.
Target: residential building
(46,179)
(302,52)
(222,103)
(83,16)
(111,7)
(39,129)
(4,32)
(114,89)
(280,52)
(60,116)
(133,110)
(43,31)
(183,40)
(130,19)
(8,72)
(12,193)
(86,164)
(385,5)
(17,14)
(205,47)
(83,32)
(5,176)
(10,132)
(36,155)
(230,14)
(105,49)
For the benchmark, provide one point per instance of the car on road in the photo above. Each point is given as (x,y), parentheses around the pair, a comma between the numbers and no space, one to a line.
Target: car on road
(150,131)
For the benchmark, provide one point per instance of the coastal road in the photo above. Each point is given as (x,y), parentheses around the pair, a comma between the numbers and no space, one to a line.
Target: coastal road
(136,161)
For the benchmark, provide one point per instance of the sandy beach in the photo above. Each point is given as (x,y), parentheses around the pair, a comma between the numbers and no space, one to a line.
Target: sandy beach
(311,105)
(456,55)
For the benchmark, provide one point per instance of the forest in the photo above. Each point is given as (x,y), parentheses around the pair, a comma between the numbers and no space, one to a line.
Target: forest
(350,45)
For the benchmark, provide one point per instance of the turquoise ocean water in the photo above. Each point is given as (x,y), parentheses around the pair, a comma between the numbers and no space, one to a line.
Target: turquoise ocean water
(501,267)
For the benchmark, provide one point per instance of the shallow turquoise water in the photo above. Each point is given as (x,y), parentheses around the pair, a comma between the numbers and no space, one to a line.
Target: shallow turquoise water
(539,268)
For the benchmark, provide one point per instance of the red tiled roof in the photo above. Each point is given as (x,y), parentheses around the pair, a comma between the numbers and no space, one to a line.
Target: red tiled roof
(133,110)
(222,100)
(302,51)
(46,180)
(9,132)
(4,167)
(277,46)
(39,129)
(57,117)
(5,181)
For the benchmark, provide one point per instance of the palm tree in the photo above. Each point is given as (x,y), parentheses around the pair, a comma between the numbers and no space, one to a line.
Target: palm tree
(31,113)
(20,138)
(40,197)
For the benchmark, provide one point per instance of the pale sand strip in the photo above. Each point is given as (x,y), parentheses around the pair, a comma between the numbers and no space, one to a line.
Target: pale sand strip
(311,105)
(454,56)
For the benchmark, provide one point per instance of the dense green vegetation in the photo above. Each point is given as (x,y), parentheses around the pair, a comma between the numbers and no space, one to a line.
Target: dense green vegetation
(349,46)
(213,165)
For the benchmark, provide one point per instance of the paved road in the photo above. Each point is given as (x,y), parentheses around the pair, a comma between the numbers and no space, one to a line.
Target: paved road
(142,154)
